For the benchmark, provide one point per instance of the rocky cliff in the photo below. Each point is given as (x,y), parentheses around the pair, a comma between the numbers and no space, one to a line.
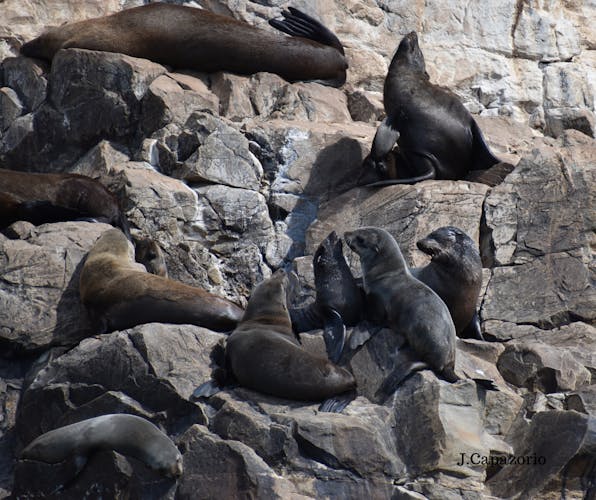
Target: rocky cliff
(237,176)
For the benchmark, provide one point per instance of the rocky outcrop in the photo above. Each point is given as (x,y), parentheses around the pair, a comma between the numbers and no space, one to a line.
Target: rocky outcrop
(236,176)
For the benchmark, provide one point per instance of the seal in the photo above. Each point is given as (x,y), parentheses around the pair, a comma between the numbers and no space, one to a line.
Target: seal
(120,293)
(125,434)
(43,198)
(436,135)
(339,300)
(191,38)
(150,254)
(263,354)
(455,274)
(407,306)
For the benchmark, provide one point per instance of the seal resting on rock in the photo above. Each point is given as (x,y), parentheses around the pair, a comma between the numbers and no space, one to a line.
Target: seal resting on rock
(436,135)
(43,198)
(455,274)
(405,305)
(339,300)
(191,38)
(121,294)
(125,434)
(263,354)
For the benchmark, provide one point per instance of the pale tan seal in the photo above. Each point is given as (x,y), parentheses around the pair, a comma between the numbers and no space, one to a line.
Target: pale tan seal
(121,294)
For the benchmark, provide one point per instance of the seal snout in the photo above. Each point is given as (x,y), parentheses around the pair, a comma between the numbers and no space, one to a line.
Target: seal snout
(429,246)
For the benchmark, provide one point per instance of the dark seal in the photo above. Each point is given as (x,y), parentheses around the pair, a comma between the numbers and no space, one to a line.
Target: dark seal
(190,38)
(407,306)
(120,293)
(125,434)
(339,300)
(455,274)
(263,354)
(437,137)
(149,253)
(43,198)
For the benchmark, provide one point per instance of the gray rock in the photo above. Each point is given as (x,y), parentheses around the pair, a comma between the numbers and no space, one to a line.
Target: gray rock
(28,78)
(551,441)
(208,459)
(39,286)
(10,107)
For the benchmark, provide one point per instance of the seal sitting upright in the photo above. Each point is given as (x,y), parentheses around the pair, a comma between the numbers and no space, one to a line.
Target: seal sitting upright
(406,305)
(191,38)
(263,354)
(121,294)
(455,274)
(436,135)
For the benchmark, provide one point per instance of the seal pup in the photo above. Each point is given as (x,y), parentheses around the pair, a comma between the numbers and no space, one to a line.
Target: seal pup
(121,294)
(263,354)
(436,135)
(191,38)
(455,274)
(339,300)
(125,434)
(149,253)
(43,198)
(406,305)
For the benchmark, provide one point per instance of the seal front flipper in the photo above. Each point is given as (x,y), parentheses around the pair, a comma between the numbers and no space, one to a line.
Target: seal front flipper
(297,23)
(427,164)
(206,390)
(398,375)
(337,403)
(482,158)
(334,334)
(473,330)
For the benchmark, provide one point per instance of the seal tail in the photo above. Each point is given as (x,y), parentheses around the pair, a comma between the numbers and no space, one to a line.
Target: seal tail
(297,23)
(337,403)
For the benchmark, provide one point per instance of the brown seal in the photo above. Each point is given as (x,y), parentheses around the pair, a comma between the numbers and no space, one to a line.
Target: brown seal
(149,253)
(125,434)
(190,38)
(406,305)
(263,354)
(436,135)
(121,294)
(455,274)
(43,198)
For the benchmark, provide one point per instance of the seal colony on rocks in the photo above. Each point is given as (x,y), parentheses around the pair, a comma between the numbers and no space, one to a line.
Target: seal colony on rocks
(191,38)
(454,274)
(126,434)
(339,300)
(263,354)
(43,198)
(436,135)
(406,305)
(121,294)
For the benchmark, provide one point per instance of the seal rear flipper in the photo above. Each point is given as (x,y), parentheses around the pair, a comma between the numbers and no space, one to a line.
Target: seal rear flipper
(427,165)
(473,330)
(297,23)
(206,390)
(334,335)
(486,383)
(492,176)
(482,158)
(336,404)
(399,375)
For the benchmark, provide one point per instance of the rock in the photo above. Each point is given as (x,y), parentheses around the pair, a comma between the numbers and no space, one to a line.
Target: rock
(539,367)
(40,286)
(583,400)
(409,213)
(10,107)
(167,101)
(366,106)
(156,367)
(552,440)
(208,459)
(28,78)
